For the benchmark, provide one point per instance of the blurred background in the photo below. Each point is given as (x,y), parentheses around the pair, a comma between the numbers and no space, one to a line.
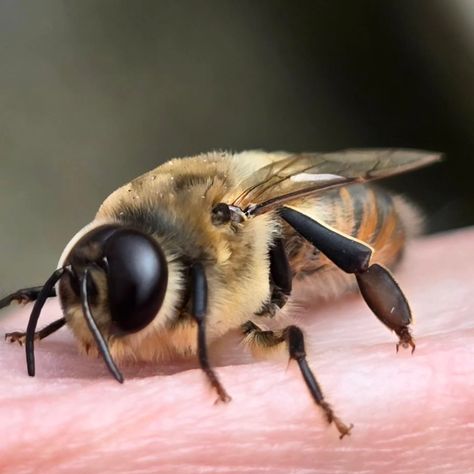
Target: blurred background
(94,93)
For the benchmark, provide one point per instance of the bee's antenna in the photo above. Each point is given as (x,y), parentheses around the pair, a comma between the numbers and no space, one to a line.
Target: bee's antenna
(99,338)
(43,295)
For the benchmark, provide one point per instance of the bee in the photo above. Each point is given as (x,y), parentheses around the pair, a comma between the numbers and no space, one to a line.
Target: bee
(203,245)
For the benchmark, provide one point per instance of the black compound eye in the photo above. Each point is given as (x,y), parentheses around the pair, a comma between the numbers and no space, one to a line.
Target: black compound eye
(137,278)
(220,214)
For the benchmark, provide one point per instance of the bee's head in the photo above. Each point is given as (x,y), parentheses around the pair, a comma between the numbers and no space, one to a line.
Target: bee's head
(118,277)
(126,272)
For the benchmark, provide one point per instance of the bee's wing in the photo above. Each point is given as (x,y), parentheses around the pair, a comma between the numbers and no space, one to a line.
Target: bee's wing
(296,176)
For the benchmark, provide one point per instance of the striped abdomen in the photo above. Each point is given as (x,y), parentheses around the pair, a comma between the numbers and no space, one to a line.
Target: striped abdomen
(366,213)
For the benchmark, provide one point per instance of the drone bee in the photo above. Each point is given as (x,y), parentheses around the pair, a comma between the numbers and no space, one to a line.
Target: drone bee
(199,246)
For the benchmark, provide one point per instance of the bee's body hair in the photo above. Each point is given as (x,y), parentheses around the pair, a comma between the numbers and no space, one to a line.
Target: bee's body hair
(173,203)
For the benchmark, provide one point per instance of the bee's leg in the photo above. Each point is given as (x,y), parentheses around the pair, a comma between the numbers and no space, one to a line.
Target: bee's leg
(280,280)
(293,336)
(387,301)
(199,310)
(377,285)
(23,296)
(20,337)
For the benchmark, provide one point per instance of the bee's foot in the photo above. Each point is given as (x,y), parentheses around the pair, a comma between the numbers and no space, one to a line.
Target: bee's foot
(405,340)
(223,397)
(23,299)
(405,345)
(18,337)
(344,430)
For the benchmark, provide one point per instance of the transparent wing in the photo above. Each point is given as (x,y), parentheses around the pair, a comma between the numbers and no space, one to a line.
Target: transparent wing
(306,174)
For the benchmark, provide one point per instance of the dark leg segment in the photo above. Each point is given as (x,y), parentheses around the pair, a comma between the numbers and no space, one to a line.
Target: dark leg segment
(378,287)
(385,298)
(41,298)
(199,311)
(295,342)
(20,337)
(102,345)
(280,268)
(23,296)
(280,280)
(348,254)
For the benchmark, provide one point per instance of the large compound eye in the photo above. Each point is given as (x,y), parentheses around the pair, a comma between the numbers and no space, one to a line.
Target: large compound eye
(137,277)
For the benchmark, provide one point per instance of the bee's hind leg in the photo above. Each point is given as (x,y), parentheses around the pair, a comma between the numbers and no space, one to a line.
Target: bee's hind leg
(385,298)
(377,285)
(20,337)
(198,312)
(23,296)
(293,336)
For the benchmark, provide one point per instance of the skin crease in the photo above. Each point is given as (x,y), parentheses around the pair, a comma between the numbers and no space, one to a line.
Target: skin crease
(412,413)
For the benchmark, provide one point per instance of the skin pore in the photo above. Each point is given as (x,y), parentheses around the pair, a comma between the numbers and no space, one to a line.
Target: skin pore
(411,413)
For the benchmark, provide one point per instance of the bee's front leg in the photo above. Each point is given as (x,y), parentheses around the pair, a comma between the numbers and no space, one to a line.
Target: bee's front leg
(198,312)
(377,285)
(20,337)
(23,296)
(293,336)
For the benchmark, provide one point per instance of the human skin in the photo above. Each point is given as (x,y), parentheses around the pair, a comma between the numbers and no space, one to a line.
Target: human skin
(412,413)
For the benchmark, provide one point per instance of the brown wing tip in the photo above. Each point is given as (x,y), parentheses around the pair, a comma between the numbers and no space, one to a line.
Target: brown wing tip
(404,159)
(419,158)
(425,156)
